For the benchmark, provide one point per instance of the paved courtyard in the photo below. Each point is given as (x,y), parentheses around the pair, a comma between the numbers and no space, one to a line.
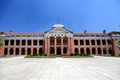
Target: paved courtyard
(97,68)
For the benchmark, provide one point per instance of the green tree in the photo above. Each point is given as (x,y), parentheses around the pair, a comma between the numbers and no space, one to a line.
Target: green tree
(1,43)
(118,42)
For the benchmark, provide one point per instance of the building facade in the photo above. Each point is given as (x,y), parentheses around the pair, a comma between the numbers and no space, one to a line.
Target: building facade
(60,41)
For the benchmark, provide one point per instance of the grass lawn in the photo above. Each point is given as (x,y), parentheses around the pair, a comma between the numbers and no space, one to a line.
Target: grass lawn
(77,56)
(30,56)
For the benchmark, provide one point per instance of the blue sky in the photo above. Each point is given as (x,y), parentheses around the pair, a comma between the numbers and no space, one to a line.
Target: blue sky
(36,16)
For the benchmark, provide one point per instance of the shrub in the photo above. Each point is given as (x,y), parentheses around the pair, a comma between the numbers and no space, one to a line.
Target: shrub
(1,43)
(118,42)
(80,54)
(76,54)
(71,54)
(44,54)
(87,54)
(40,54)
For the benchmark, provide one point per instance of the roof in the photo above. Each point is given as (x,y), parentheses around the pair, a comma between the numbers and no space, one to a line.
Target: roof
(58,25)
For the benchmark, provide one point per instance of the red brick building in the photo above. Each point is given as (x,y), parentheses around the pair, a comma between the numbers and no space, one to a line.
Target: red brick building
(60,41)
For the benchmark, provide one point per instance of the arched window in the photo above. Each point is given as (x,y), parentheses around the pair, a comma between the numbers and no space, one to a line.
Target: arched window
(17,51)
(28,51)
(87,51)
(23,51)
(76,50)
(82,50)
(93,51)
(34,51)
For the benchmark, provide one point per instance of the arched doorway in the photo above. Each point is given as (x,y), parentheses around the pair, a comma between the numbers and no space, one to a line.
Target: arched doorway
(110,52)
(58,51)
(82,50)
(76,50)
(28,51)
(104,51)
(87,51)
(93,51)
(51,50)
(34,51)
(99,51)
(17,51)
(23,51)
(11,51)
(5,51)
(65,50)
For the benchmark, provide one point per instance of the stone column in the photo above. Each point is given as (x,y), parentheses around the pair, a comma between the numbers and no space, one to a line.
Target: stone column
(116,50)
(72,45)
(78,46)
(26,46)
(84,46)
(48,46)
(32,47)
(38,46)
(20,47)
(68,51)
(101,46)
(96,47)
(55,46)
(84,50)
(62,45)
(90,46)
(106,46)
(14,51)
(14,48)
(45,45)
(8,48)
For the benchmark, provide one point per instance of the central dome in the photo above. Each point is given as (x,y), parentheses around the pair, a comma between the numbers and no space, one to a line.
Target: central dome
(58,25)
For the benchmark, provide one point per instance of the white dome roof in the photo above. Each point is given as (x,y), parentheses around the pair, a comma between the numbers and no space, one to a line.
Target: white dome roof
(58,25)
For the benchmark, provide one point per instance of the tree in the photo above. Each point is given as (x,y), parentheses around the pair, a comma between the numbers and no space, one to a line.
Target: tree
(1,48)
(118,42)
(1,43)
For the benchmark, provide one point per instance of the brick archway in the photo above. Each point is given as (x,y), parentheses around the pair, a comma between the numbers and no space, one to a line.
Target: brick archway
(23,51)
(17,51)
(34,51)
(11,51)
(93,51)
(28,51)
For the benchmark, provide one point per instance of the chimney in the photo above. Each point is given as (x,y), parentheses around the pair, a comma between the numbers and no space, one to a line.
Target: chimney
(85,31)
(104,31)
(10,32)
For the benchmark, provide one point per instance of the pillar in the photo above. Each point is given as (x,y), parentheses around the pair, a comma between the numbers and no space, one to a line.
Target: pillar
(62,45)
(48,46)
(106,46)
(84,46)
(8,48)
(45,45)
(78,46)
(116,50)
(20,47)
(96,48)
(68,50)
(26,46)
(32,47)
(101,47)
(38,46)
(55,46)
(14,50)
(90,46)
(72,45)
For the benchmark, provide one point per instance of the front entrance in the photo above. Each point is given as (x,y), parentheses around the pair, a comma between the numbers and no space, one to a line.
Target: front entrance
(58,51)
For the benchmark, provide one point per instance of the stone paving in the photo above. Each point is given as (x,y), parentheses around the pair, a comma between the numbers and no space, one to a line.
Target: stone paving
(97,68)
